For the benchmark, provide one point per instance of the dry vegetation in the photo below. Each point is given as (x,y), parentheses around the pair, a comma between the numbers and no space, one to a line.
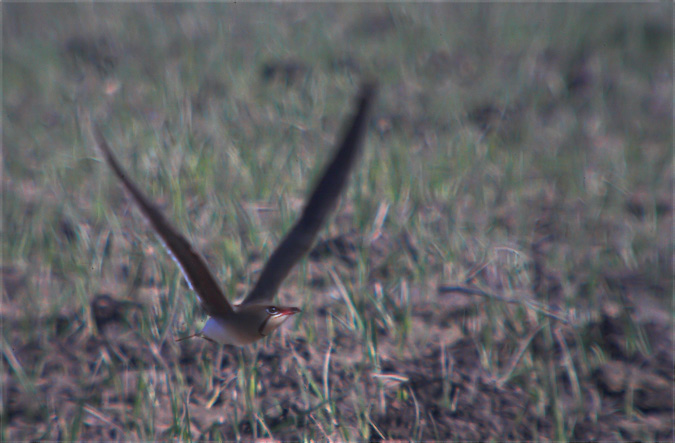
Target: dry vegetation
(522,152)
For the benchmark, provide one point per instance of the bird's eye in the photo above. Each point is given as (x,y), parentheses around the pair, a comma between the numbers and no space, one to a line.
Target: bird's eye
(272,310)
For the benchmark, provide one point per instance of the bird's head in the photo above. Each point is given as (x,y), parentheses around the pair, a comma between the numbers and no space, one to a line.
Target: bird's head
(271,317)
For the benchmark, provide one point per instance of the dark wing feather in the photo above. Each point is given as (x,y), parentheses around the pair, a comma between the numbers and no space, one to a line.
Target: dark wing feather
(191,263)
(321,202)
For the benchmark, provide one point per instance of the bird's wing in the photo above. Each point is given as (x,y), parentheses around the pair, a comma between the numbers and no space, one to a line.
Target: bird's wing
(190,262)
(322,200)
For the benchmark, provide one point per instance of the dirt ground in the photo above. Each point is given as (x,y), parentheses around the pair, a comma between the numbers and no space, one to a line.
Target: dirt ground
(442,393)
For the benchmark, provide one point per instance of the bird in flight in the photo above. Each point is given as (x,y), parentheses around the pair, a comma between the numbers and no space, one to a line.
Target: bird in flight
(256,316)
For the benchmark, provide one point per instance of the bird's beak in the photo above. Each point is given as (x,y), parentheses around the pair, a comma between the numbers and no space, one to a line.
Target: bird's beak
(288,311)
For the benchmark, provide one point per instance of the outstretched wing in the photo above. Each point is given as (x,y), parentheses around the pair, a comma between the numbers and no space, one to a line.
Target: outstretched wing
(322,200)
(191,263)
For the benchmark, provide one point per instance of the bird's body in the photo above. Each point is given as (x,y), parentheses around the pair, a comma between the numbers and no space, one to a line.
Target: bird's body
(256,316)
(236,329)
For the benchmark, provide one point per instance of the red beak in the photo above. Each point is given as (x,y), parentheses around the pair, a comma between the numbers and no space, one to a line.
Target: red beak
(289,311)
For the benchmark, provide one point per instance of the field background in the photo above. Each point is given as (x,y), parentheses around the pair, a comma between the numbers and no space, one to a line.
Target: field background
(521,151)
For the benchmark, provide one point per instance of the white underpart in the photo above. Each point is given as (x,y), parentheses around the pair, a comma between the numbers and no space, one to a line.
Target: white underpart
(226,334)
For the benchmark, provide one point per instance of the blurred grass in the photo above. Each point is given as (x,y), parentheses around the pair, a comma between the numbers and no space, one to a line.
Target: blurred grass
(524,149)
